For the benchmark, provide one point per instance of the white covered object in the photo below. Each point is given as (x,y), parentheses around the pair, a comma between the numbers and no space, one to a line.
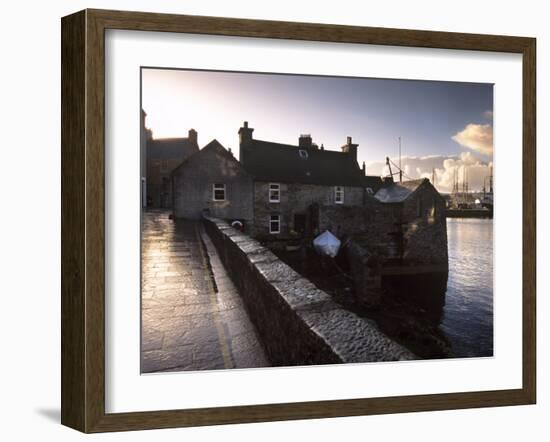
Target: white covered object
(327,244)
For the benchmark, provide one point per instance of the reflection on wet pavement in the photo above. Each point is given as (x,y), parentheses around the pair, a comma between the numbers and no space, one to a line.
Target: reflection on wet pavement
(192,315)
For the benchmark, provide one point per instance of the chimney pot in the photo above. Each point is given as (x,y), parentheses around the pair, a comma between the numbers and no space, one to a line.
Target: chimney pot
(192,136)
(305,141)
(350,148)
(245,134)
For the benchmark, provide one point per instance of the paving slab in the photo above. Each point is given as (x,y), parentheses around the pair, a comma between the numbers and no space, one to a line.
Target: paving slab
(192,315)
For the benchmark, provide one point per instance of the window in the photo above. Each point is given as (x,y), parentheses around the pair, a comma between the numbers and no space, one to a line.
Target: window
(339,195)
(274,193)
(275,224)
(164,165)
(218,192)
(370,191)
(303,154)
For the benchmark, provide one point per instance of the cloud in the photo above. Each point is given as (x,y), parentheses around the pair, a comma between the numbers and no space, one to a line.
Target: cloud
(488,114)
(445,169)
(477,137)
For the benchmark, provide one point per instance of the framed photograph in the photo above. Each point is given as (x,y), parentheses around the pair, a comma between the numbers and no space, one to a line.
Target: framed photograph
(270,220)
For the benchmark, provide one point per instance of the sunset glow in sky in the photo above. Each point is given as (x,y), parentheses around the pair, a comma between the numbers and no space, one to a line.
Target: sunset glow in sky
(445,126)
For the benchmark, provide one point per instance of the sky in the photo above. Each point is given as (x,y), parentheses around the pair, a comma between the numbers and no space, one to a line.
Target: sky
(445,127)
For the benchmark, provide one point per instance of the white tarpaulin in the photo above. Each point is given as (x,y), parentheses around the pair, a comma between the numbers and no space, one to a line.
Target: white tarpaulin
(327,244)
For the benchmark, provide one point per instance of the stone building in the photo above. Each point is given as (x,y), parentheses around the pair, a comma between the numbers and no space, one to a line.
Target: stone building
(419,209)
(401,221)
(402,231)
(283,193)
(212,181)
(288,179)
(160,156)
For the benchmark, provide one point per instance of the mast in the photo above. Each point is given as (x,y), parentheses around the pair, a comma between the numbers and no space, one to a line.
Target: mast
(389,166)
(400,170)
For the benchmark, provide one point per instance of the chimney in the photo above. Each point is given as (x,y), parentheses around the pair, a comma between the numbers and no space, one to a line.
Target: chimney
(305,141)
(364,169)
(193,136)
(350,148)
(245,134)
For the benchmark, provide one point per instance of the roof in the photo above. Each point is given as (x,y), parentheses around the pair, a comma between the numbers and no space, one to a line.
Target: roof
(374,182)
(214,145)
(267,161)
(171,148)
(398,192)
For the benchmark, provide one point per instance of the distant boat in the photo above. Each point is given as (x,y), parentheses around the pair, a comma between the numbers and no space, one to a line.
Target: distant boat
(327,244)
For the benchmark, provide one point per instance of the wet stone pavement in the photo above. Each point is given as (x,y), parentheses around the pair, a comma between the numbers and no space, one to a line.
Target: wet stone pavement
(192,315)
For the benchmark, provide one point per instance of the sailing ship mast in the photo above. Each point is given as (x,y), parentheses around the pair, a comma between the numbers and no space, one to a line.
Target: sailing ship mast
(400,169)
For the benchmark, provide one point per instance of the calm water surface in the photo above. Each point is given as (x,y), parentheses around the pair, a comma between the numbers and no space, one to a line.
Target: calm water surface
(468,312)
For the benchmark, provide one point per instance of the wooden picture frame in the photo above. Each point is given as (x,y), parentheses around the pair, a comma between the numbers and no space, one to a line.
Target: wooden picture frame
(83,220)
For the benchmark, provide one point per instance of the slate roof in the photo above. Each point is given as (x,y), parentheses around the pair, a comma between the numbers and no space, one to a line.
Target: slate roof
(267,161)
(170,148)
(213,145)
(398,192)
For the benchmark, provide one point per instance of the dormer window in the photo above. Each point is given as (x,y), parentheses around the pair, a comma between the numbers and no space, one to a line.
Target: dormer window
(303,154)
(274,193)
(339,195)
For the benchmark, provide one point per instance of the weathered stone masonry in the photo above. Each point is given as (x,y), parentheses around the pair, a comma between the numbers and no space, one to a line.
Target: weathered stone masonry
(295,199)
(298,323)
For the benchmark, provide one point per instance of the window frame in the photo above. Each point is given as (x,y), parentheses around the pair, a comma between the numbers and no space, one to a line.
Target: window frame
(278,190)
(214,189)
(271,221)
(339,191)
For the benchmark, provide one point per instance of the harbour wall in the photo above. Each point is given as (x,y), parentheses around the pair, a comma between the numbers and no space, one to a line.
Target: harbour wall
(297,323)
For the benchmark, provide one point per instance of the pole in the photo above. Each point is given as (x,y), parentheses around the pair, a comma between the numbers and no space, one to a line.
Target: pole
(400,170)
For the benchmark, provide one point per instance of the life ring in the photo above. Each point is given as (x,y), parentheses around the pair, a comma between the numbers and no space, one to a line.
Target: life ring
(237,224)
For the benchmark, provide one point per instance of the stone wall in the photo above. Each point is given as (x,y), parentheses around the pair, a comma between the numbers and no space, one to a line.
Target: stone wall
(415,231)
(298,323)
(295,199)
(374,225)
(377,235)
(365,271)
(425,227)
